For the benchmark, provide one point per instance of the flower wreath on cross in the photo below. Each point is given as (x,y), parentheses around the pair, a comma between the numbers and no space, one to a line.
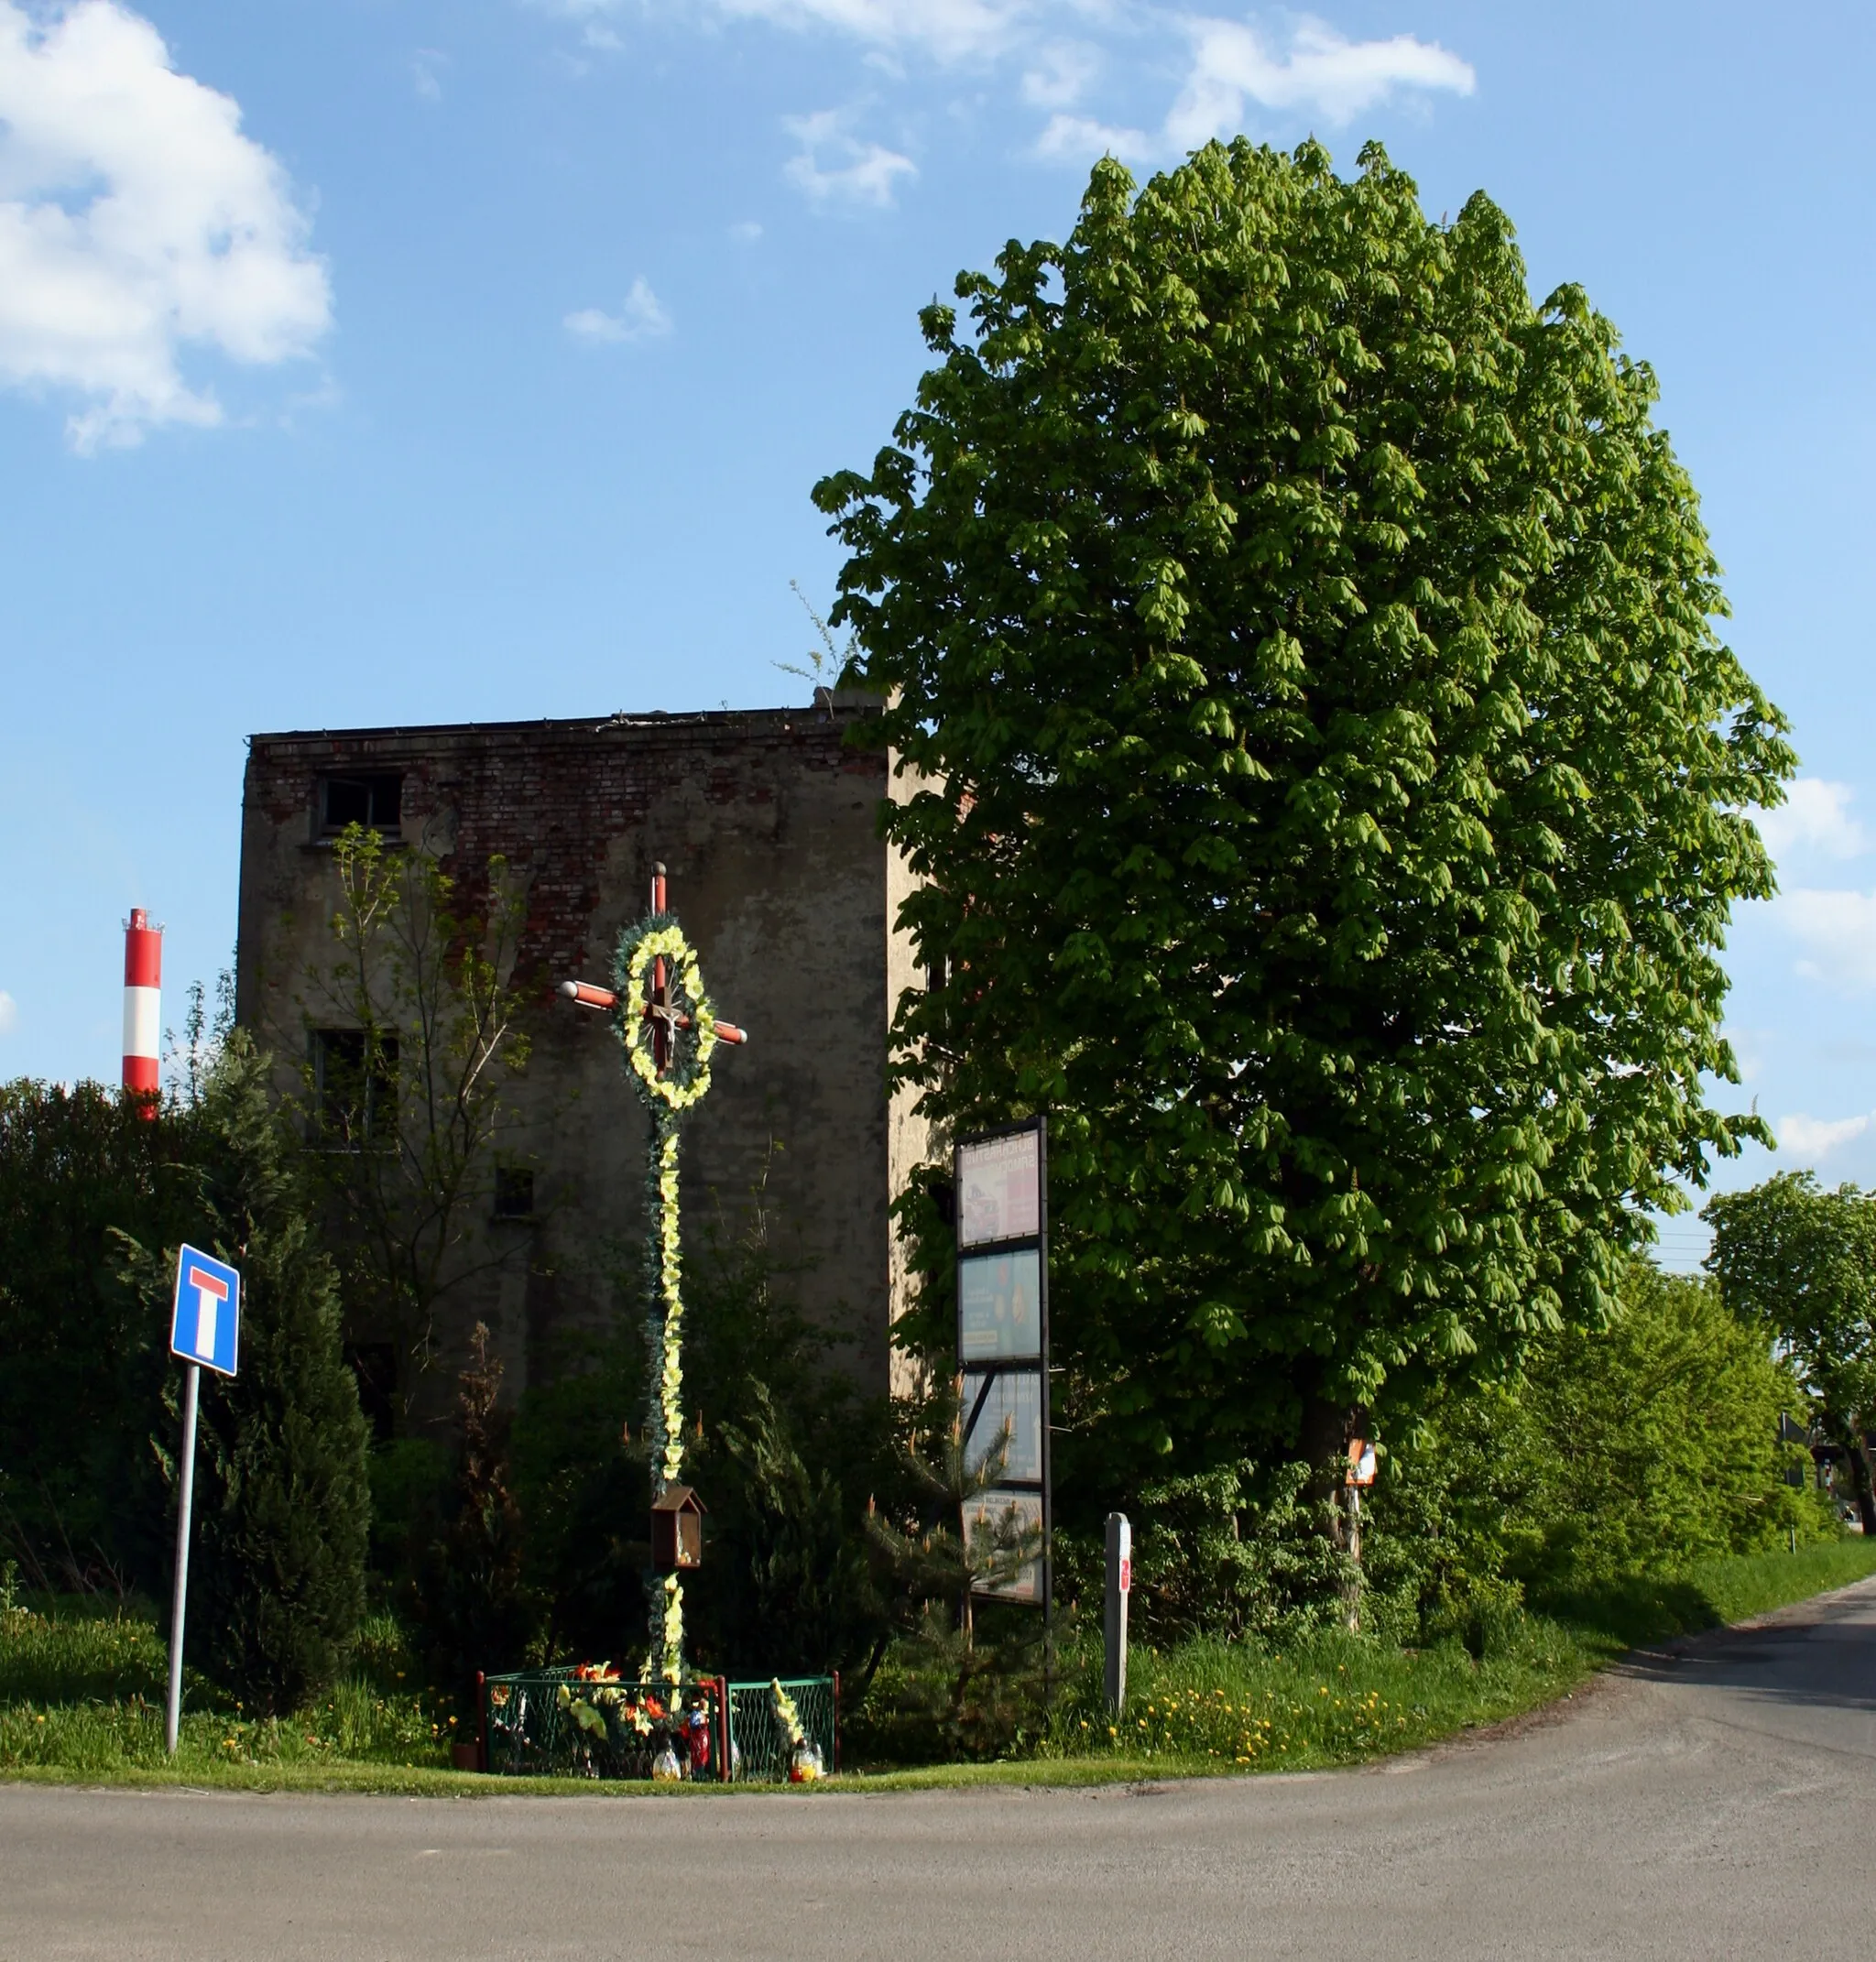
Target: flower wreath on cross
(684,1029)
(685,1080)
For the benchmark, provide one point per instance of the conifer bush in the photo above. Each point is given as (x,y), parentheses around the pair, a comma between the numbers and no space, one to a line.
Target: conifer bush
(282,1498)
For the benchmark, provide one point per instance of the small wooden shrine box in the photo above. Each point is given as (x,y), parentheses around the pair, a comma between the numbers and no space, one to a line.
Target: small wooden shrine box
(677,1529)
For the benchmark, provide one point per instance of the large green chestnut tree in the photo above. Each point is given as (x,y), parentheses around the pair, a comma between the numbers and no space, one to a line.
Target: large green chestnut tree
(1328,785)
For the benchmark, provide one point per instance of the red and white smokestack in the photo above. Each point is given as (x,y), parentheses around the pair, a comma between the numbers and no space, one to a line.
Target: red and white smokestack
(143,1006)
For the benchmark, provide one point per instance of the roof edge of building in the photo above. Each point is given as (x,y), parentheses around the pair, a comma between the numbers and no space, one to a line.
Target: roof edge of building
(845,706)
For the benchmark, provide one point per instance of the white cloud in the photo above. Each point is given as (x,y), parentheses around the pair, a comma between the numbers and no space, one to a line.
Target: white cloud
(1815,817)
(1057,51)
(426,73)
(1079,140)
(136,219)
(1320,72)
(951,30)
(832,165)
(9,1013)
(1816,1138)
(1061,76)
(1839,931)
(745,232)
(641,318)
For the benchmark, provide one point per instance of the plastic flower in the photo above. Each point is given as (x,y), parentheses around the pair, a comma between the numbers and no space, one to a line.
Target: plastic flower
(785,1714)
(685,1079)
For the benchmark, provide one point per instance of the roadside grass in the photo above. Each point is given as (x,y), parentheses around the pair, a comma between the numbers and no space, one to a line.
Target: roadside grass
(82,1696)
(1216,1706)
(82,1700)
(1223,1707)
(1625,1614)
(63,1657)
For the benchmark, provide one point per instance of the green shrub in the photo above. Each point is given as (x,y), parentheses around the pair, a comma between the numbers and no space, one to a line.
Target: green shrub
(1230,1553)
(785,1455)
(81,1394)
(970,1669)
(410,1487)
(1643,1449)
(473,1610)
(1659,1440)
(798,1567)
(584,1496)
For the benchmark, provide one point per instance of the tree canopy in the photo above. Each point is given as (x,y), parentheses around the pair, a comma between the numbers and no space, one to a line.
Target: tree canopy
(1801,1262)
(1328,785)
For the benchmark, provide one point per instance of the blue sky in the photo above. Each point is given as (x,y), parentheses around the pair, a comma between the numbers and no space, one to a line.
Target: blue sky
(366,361)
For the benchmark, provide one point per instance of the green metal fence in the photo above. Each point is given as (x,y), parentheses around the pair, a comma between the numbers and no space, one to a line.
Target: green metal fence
(566,1722)
(759,1747)
(563,1722)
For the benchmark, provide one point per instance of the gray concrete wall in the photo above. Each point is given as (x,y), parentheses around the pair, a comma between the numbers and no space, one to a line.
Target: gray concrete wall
(766,822)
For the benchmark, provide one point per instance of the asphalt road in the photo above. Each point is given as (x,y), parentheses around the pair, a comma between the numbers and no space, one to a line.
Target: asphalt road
(1711,1803)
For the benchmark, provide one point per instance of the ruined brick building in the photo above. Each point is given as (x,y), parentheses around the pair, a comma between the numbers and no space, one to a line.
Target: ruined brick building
(766,822)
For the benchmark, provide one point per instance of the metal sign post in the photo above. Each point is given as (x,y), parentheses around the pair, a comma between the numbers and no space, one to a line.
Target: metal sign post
(1356,1477)
(1003,1337)
(1119,1586)
(204,1333)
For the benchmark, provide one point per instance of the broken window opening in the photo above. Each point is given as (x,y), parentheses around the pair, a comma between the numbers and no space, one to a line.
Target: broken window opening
(374,799)
(354,1088)
(514,1191)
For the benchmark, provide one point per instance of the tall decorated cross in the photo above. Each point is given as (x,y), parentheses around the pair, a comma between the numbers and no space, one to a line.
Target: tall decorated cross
(665,1022)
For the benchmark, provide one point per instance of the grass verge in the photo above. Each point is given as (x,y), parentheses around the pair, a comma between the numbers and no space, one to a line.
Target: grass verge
(81,1702)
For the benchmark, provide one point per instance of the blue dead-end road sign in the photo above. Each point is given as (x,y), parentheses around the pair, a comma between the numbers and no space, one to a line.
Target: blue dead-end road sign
(204,1331)
(207,1318)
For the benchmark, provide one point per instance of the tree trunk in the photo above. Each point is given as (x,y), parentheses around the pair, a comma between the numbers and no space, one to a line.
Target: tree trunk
(1860,1481)
(1326,1429)
(1846,1435)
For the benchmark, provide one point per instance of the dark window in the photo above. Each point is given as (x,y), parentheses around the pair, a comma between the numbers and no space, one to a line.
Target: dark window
(355,1086)
(376,800)
(375,1364)
(514,1192)
(937,972)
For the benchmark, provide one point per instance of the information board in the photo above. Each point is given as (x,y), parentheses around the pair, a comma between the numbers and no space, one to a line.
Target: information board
(999,1188)
(1007,1406)
(1000,1305)
(1003,1346)
(1016,1513)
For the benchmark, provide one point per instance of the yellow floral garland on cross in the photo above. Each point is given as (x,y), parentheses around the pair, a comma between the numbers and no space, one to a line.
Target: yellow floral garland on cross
(670,1032)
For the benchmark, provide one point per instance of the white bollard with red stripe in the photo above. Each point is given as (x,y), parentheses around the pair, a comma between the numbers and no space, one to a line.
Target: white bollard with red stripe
(143,1006)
